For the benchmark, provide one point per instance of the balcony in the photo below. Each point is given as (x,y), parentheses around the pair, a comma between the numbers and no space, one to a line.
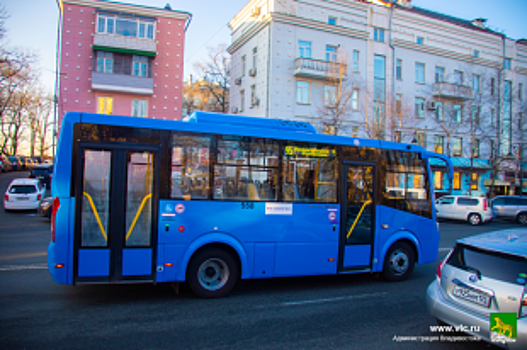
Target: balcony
(318,69)
(452,91)
(122,83)
(127,44)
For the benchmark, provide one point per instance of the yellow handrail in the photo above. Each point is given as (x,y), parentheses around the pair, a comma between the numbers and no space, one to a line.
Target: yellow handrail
(357,218)
(96,215)
(137,215)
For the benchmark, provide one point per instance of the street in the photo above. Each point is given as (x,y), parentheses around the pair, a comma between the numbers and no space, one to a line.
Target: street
(340,312)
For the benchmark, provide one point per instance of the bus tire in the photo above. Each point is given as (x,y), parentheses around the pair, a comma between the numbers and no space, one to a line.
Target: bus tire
(212,273)
(399,262)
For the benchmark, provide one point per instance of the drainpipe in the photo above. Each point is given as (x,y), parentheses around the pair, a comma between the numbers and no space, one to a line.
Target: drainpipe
(393,58)
(269,65)
(498,116)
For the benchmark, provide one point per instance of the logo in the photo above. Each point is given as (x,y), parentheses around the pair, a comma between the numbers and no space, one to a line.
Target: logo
(503,327)
(473,278)
(168,208)
(180,208)
(332,216)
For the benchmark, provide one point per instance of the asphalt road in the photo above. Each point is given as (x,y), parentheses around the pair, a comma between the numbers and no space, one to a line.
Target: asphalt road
(336,312)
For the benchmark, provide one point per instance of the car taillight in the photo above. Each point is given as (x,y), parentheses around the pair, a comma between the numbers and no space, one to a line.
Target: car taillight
(440,266)
(39,196)
(484,205)
(523,307)
(54,208)
(6,197)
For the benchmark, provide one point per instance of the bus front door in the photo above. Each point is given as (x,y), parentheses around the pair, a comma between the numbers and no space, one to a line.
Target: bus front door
(358,216)
(115,214)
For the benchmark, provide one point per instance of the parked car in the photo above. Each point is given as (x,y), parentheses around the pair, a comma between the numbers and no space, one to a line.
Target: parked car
(15,163)
(6,164)
(44,209)
(23,194)
(510,207)
(475,210)
(42,172)
(481,278)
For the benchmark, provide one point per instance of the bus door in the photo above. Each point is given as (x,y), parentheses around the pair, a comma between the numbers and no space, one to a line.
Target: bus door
(358,216)
(115,214)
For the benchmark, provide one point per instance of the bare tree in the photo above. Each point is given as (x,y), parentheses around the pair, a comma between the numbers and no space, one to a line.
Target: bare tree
(215,70)
(39,113)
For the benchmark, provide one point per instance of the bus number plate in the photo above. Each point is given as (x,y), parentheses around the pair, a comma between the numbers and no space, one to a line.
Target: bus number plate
(247,205)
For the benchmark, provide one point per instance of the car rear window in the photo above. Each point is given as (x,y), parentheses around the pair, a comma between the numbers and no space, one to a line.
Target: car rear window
(41,172)
(23,189)
(494,265)
(467,201)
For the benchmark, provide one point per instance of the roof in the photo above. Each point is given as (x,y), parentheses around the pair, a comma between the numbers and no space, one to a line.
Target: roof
(43,166)
(24,181)
(509,241)
(447,18)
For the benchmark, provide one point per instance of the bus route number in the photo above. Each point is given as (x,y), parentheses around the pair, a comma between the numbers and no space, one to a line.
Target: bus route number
(247,205)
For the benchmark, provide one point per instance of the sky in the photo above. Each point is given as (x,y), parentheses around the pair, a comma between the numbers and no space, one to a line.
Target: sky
(33,24)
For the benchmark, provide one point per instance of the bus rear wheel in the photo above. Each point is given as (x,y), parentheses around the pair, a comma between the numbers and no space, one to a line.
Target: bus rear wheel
(212,273)
(399,262)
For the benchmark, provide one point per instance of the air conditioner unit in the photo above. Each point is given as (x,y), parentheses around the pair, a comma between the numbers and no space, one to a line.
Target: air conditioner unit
(238,81)
(255,101)
(432,105)
(252,72)
(234,110)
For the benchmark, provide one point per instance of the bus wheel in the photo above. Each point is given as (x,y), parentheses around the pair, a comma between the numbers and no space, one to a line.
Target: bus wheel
(212,273)
(399,262)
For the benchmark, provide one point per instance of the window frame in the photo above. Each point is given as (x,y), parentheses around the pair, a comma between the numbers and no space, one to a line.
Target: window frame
(378,34)
(420,68)
(301,87)
(399,69)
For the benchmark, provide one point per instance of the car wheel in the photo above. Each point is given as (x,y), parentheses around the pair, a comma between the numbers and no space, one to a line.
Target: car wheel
(474,219)
(522,218)
(399,262)
(212,273)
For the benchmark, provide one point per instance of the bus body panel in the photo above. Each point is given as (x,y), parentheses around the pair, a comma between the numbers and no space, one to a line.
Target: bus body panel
(357,255)
(61,251)
(304,234)
(62,176)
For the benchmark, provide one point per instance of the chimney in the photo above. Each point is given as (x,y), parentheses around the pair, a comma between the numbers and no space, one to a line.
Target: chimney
(479,22)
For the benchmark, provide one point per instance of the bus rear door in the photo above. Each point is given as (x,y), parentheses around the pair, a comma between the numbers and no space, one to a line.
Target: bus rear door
(358,216)
(115,213)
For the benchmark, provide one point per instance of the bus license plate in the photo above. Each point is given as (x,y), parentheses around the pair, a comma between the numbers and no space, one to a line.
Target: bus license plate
(467,294)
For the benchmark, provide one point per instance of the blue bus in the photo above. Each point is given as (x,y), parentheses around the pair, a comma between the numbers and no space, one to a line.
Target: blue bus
(215,198)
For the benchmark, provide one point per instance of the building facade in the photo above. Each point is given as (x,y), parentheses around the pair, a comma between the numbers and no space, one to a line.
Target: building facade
(388,71)
(121,59)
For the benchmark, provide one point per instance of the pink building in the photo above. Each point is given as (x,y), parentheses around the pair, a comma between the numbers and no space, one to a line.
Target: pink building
(121,59)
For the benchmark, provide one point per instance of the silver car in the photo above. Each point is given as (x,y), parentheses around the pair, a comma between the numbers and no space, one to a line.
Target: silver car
(510,207)
(480,288)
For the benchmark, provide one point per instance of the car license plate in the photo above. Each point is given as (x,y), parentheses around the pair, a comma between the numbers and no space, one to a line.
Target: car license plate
(23,198)
(475,297)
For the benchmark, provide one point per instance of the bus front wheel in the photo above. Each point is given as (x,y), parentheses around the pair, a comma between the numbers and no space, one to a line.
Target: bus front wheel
(212,273)
(399,262)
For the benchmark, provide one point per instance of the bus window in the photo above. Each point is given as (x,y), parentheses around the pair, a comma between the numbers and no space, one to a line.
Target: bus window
(190,166)
(309,173)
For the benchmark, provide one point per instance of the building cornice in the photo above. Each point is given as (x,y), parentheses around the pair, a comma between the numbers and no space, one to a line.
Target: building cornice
(130,8)
(445,53)
(249,33)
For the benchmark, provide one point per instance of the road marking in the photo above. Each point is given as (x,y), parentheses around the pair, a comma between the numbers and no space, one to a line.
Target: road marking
(23,267)
(326,300)
(20,256)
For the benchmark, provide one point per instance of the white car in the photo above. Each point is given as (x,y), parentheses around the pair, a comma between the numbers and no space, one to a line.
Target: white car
(475,210)
(23,194)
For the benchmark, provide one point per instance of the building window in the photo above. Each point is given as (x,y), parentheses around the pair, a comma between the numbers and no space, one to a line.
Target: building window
(304,49)
(242,100)
(125,26)
(332,20)
(506,119)
(438,180)
(356,55)
(420,107)
(476,53)
(420,40)
(457,114)
(105,24)
(331,53)
(329,129)
(520,92)
(139,108)
(244,65)
(302,92)
(420,137)
(439,111)
(475,181)
(492,83)
(140,66)
(255,56)
(491,149)
(457,144)
(398,136)
(440,74)
(105,105)
(398,106)
(355,99)
(378,34)
(507,63)
(420,73)
(474,115)
(492,116)
(254,98)
(330,95)
(439,143)
(475,148)
(399,69)
(457,180)
(475,83)
(354,131)
(458,77)
(104,62)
